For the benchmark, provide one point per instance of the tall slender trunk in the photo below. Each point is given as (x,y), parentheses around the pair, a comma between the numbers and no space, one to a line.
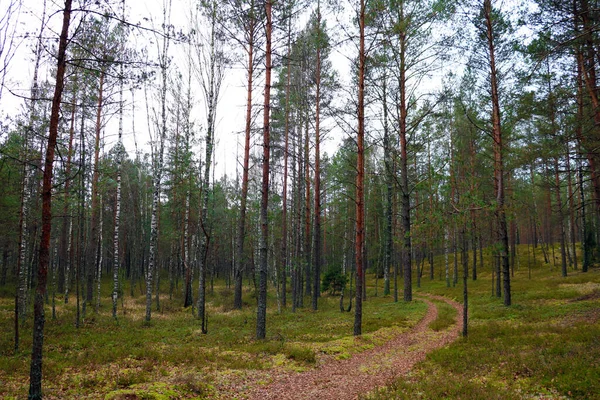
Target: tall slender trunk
(93,242)
(284,232)
(474,228)
(465,261)
(559,205)
(561,225)
(307,208)
(67,226)
(404,189)
(572,224)
(22,273)
(117,214)
(99,258)
(446,263)
(301,215)
(211,99)
(158,166)
(360,175)
(35,375)
(587,58)
(317,228)
(79,269)
(389,179)
(500,211)
(581,141)
(261,317)
(241,228)
(64,265)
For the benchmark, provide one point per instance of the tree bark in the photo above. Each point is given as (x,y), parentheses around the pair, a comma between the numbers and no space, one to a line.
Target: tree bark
(284,218)
(360,176)
(404,189)
(261,318)
(117,214)
(158,166)
(93,241)
(389,179)
(317,235)
(35,375)
(241,228)
(211,94)
(498,158)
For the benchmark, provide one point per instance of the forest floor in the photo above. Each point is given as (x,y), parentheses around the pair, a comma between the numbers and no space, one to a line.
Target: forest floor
(363,372)
(546,345)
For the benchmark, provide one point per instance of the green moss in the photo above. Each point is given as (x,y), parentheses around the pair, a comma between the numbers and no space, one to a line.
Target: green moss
(154,391)
(543,346)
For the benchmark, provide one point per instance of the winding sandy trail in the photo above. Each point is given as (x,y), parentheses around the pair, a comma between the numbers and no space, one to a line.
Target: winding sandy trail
(363,372)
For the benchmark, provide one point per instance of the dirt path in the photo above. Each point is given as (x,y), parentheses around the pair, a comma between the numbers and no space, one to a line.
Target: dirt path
(364,372)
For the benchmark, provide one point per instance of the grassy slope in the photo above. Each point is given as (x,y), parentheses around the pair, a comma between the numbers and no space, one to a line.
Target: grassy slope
(545,346)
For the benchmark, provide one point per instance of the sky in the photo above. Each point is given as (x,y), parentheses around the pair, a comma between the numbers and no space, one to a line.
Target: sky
(230,120)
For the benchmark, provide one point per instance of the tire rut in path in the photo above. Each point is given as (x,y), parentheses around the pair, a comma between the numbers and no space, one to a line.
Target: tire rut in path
(365,371)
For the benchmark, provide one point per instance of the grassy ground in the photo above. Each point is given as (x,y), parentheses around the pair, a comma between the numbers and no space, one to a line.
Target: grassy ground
(170,357)
(545,346)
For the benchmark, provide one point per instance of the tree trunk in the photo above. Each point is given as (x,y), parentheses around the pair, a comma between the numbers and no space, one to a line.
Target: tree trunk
(317,235)
(404,189)
(211,94)
(35,375)
(64,265)
(498,158)
(360,176)
(241,228)
(117,214)
(93,241)
(158,166)
(389,178)
(284,218)
(572,223)
(261,318)
(561,225)
(307,185)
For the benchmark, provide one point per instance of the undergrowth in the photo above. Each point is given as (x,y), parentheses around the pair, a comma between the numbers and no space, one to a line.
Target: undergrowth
(546,345)
(119,357)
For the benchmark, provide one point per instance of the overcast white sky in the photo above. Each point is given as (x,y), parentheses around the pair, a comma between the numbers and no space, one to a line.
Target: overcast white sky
(231,110)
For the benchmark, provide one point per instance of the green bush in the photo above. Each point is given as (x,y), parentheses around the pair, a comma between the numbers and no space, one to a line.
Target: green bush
(333,281)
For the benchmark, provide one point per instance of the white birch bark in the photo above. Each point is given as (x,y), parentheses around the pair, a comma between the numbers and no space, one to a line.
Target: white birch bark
(117,218)
(99,258)
(164,59)
(211,78)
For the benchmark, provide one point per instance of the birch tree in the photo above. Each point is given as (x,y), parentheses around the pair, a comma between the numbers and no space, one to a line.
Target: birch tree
(158,154)
(211,71)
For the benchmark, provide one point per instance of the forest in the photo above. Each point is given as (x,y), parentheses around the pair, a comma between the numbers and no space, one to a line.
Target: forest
(259,198)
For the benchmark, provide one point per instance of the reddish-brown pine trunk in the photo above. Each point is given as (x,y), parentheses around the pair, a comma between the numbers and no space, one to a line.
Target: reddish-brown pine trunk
(587,60)
(35,375)
(498,161)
